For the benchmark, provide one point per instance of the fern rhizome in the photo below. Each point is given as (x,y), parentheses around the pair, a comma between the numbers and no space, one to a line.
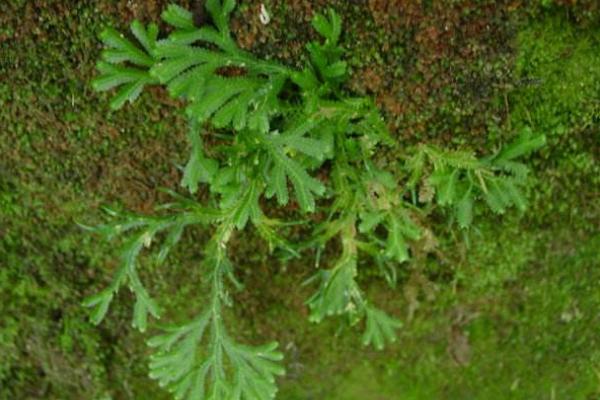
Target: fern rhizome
(278,129)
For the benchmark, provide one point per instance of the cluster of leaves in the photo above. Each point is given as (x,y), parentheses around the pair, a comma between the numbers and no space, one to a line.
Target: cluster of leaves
(275,128)
(458,179)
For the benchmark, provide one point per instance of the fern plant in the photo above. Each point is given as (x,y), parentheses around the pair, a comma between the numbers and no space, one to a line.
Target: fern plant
(270,147)
(457,179)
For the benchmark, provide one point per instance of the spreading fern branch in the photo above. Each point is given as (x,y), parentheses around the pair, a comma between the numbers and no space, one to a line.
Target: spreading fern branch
(269,146)
(142,231)
(459,179)
(222,368)
(338,293)
(126,65)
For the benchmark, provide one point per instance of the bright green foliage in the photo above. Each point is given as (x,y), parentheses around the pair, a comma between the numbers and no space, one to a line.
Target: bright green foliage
(142,231)
(338,292)
(459,179)
(225,369)
(199,168)
(380,328)
(326,71)
(196,74)
(257,157)
(192,72)
(283,167)
(135,75)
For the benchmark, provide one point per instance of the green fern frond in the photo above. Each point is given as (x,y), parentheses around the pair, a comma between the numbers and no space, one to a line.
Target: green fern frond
(329,27)
(126,65)
(445,180)
(194,73)
(198,74)
(269,230)
(199,360)
(370,220)
(247,206)
(338,292)
(511,188)
(495,197)
(380,328)
(523,145)
(400,229)
(199,168)
(127,272)
(326,70)
(372,128)
(305,186)
(460,180)
(518,170)
(145,230)
(455,159)
(284,164)
(220,11)
(326,57)
(464,210)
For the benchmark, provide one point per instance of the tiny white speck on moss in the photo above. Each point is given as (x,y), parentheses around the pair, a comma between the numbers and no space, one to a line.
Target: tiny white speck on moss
(264,16)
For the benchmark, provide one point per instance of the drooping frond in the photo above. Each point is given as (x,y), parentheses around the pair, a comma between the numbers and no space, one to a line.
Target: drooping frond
(338,292)
(200,360)
(141,231)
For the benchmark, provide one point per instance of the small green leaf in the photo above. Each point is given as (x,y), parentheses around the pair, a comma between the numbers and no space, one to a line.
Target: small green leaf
(100,303)
(199,169)
(464,211)
(127,93)
(245,206)
(446,188)
(334,296)
(306,79)
(305,186)
(409,228)
(146,37)
(495,198)
(171,240)
(328,28)
(524,144)
(396,247)
(335,70)
(178,17)
(514,194)
(380,329)
(118,44)
(369,221)
(113,73)
(219,11)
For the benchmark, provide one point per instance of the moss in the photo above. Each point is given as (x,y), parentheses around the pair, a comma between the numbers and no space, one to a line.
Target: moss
(522,293)
(559,66)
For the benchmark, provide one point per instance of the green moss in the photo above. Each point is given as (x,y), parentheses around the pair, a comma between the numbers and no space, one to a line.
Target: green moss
(530,280)
(558,77)
(558,68)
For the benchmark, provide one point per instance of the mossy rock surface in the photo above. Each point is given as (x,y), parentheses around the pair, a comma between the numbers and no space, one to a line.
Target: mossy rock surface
(509,313)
